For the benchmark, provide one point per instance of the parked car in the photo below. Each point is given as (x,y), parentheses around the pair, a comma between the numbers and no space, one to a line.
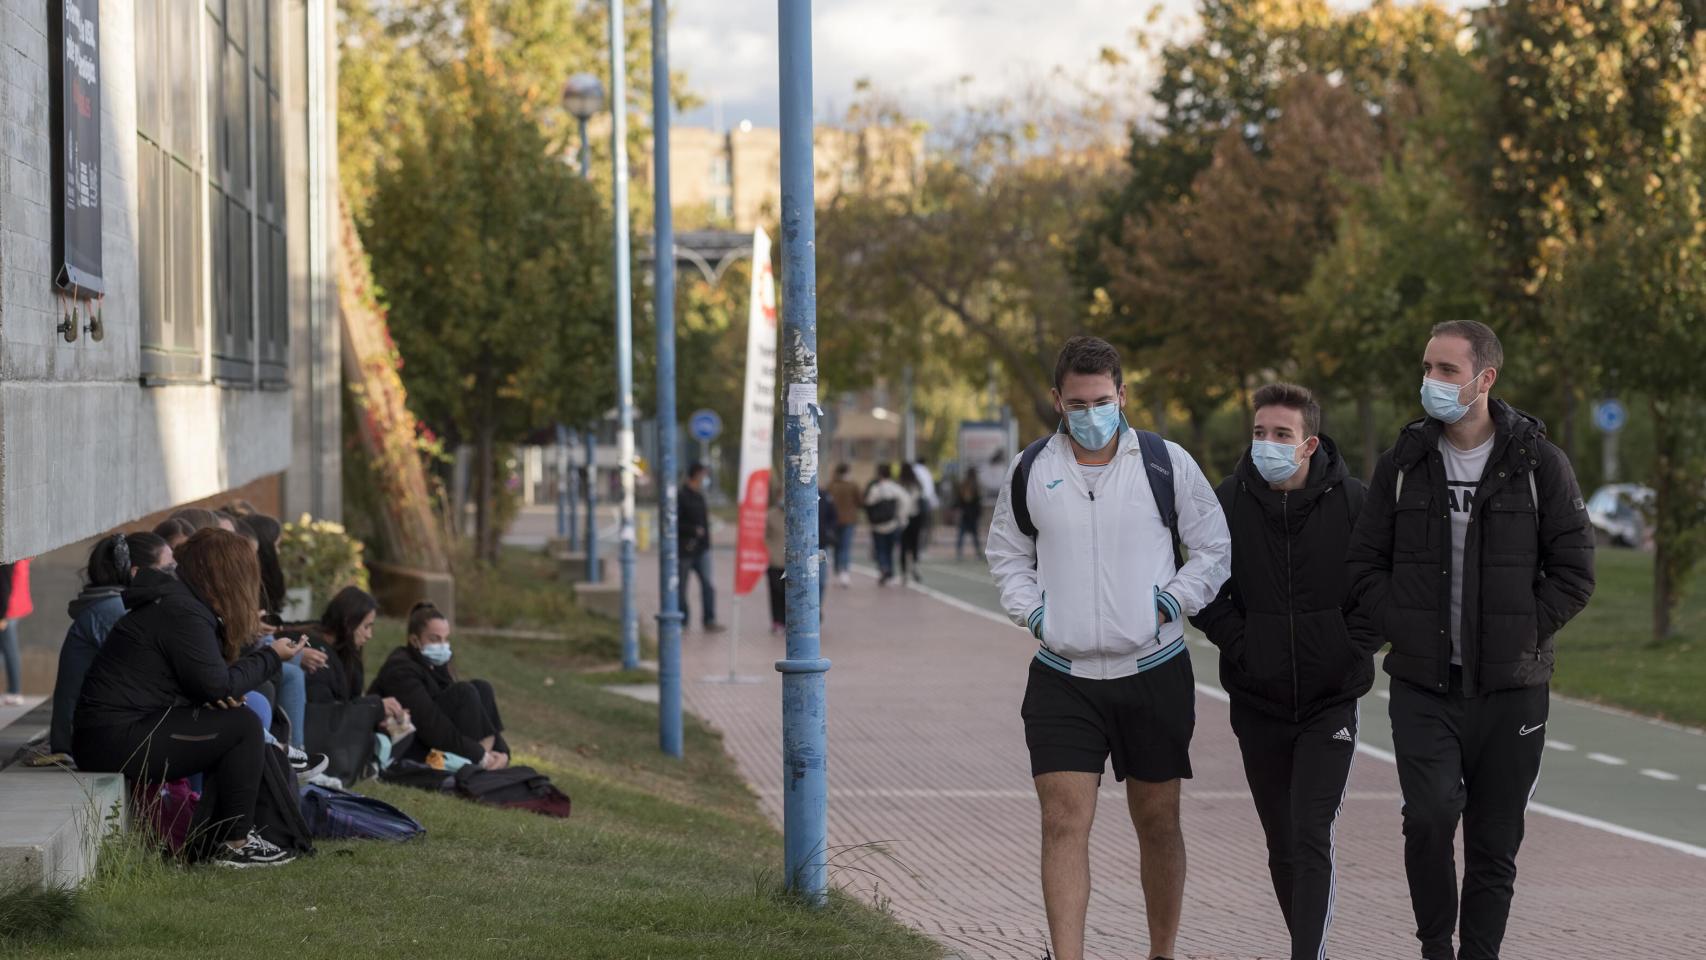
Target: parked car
(1618,512)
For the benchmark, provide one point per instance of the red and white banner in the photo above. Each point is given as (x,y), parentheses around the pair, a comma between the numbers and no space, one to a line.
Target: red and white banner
(757,420)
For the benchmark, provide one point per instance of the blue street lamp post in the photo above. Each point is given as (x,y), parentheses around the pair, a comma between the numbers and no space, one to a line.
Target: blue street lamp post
(805,803)
(663,262)
(583,96)
(624,334)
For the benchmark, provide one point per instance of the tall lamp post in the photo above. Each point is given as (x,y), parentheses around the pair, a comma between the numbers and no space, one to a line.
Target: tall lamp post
(663,265)
(624,331)
(583,96)
(805,801)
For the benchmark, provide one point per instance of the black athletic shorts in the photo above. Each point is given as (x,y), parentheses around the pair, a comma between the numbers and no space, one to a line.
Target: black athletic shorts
(1143,721)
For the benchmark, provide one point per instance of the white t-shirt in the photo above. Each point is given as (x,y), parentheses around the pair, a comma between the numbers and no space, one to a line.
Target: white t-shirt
(1463,470)
(1092,473)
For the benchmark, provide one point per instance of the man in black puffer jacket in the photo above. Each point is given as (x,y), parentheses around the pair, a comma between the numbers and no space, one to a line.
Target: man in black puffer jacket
(1473,551)
(1287,659)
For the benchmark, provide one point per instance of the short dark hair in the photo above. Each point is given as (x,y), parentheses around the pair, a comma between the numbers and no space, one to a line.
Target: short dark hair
(694,469)
(1087,355)
(1293,397)
(1484,344)
(842,469)
(884,471)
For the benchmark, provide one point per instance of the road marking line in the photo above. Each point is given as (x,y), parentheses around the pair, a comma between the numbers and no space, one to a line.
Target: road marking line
(1593,823)
(1561,745)
(1664,775)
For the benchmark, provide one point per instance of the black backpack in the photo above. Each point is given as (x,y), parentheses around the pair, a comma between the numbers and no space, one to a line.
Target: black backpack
(278,807)
(1155,460)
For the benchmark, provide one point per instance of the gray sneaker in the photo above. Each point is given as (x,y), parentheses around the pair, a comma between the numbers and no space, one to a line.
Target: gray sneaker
(255,852)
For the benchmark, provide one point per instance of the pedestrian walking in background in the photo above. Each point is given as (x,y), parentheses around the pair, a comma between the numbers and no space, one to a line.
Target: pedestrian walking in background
(917,517)
(1292,668)
(1086,561)
(929,500)
(695,534)
(1473,550)
(828,529)
(848,499)
(15,605)
(776,545)
(970,508)
(886,510)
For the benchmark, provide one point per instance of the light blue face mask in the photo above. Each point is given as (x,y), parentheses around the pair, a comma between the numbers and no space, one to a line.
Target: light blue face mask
(1440,401)
(1095,427)
(1276,462)
(437,653)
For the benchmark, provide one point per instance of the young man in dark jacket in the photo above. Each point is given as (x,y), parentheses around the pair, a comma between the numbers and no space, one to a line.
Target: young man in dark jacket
(1473,551)
(694,524)
(1286,657)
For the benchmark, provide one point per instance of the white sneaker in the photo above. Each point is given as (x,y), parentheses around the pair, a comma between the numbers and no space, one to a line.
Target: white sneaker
(330,783)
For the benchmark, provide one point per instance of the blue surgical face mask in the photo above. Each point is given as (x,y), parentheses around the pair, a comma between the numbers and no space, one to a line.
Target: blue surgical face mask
(437,653)
(1276,462)
(1095,427)
(1440,401)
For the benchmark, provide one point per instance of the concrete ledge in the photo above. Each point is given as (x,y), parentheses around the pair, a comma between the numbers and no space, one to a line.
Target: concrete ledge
(571,566)
(52,822)
(602,598)
(397,588)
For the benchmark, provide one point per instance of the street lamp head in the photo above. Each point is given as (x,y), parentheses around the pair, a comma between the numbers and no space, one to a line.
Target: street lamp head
(583,96)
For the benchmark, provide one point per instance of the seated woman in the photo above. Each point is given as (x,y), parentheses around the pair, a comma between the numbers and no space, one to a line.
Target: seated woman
(114,564)
(450,715)
(163,699)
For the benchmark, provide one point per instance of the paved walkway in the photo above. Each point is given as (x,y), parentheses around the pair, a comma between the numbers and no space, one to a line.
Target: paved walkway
(927,759)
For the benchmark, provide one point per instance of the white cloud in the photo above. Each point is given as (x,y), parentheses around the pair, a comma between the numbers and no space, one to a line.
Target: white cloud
(913,48)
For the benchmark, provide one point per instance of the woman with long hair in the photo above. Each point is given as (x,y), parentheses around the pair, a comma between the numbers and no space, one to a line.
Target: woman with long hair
(450,715)
(164,697)
(116,562)
(345,628)
(916,517)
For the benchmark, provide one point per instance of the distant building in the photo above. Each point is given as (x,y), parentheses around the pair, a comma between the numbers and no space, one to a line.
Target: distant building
(732,180)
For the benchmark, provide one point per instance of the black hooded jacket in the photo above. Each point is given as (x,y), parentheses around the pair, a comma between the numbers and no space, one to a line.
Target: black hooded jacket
(165,652)
(1285,647)
(1527,557)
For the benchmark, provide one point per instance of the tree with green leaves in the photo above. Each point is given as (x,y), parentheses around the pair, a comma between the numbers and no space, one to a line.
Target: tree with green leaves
(494,259)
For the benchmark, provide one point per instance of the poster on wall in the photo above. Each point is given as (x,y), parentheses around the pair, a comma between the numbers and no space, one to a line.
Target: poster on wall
(74,94)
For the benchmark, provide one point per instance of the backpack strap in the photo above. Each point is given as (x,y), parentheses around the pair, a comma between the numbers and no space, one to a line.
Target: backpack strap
(1158,467)
(1021,480)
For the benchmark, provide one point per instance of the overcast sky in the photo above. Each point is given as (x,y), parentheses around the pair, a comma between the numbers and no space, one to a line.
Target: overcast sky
(912,48)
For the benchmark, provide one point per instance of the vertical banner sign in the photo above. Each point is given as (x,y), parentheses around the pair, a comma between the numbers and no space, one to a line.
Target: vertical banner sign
(757,420)
(74,30)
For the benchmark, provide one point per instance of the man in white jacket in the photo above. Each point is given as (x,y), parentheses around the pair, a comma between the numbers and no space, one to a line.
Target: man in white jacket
(1099,588)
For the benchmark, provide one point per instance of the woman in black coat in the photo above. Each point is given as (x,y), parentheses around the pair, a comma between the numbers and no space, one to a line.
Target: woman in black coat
(163,698)
(450,715)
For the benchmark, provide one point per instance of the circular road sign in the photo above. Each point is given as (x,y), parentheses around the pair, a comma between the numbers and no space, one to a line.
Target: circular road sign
(705,425)
(1609,416)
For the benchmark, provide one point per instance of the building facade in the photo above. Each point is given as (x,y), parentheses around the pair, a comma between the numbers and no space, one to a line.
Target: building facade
(169,335)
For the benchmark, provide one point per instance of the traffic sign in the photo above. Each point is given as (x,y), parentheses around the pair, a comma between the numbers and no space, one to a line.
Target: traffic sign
(1609,416)
(705,425)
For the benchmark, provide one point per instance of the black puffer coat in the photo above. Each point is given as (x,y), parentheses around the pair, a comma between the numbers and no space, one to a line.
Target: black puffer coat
(1284,645)
(165,653)
(1527,558)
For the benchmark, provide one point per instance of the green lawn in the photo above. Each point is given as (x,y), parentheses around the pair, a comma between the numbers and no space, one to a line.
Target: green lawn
(661,859)
(1607,654)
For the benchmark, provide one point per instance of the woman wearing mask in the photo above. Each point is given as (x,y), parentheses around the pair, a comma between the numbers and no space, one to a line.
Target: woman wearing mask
(450,715)
(116,563)
(163,699)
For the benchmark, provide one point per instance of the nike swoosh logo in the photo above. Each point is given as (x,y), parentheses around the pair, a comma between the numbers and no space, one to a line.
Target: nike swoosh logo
(1525,731)
(1056,483)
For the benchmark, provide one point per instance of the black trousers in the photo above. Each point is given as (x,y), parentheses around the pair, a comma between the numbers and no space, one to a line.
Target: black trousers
(224,746)
(778,588)
(1297,773)
(473,707)
(1478,759)
(911,536)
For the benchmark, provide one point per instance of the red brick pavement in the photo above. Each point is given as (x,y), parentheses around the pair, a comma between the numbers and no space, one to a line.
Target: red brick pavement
(927,758)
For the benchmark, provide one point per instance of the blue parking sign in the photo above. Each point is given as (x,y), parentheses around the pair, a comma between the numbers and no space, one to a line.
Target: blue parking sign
(705,425)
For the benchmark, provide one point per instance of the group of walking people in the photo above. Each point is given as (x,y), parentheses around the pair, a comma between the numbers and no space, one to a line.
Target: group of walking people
(1463,556)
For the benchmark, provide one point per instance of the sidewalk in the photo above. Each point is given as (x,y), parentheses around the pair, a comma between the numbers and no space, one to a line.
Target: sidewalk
(927,758)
